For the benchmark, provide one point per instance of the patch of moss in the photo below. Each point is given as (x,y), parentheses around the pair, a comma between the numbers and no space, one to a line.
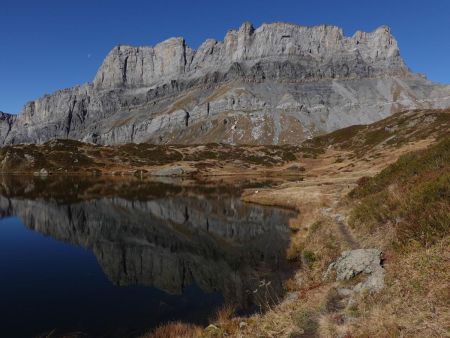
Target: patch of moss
(309,257)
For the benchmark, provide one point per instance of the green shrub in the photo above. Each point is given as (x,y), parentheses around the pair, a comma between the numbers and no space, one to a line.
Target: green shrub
(309,257)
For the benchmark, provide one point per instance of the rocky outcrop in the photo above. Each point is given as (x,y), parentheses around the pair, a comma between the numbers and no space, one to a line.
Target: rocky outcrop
(173,171)
(279,83)
(259,54)
(6,122)
(360,262)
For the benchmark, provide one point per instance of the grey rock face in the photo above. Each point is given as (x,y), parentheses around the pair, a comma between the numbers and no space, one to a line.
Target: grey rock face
(279,83)
(354,262)
(6,122)
(127,66)
(170,171)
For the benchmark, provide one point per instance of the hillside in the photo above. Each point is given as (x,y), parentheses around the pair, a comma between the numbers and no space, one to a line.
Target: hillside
(353,149)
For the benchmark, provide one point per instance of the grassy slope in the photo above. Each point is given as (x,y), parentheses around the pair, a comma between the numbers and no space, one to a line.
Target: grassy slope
(392,132)
(405,209)
(412,195)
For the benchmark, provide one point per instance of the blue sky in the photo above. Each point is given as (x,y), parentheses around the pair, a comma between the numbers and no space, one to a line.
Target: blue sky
(47,45)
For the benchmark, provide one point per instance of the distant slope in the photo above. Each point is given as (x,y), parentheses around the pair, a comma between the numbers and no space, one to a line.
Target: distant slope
(397,130)
(352,143)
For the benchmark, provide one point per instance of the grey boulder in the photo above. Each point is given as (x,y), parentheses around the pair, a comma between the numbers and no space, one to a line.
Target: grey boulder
(360,261)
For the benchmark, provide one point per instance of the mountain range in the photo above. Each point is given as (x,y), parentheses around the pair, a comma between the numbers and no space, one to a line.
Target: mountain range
(277,84)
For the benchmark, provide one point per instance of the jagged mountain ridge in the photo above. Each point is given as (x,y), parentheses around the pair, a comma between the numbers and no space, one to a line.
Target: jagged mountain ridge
(279,83)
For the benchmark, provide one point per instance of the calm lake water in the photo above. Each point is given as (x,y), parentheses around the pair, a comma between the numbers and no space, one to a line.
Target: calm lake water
(116,257)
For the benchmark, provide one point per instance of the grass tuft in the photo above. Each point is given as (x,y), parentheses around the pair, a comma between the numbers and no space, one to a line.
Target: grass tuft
(176,330)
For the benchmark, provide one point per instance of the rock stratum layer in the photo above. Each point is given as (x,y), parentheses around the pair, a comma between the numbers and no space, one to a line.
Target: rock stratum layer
(280,83)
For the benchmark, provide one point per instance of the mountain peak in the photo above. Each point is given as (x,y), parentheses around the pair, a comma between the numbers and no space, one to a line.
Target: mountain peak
(172,58)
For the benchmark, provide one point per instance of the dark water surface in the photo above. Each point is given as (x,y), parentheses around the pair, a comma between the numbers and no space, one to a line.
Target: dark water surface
(116,257)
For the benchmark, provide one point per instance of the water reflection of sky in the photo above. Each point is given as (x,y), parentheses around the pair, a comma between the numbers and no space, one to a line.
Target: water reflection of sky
(66,274)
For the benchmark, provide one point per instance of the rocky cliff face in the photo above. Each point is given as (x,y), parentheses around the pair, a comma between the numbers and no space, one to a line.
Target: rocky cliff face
(279,83)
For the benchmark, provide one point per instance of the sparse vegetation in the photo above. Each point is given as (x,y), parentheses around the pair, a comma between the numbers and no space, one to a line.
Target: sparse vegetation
(405,209)
(412,195)
(73,157)
(392,132)
(176,330)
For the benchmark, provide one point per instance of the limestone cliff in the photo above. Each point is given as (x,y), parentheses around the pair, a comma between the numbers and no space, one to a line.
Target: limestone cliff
(279,83)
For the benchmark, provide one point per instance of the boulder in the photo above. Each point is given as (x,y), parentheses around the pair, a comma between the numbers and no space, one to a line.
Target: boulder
(169,171)
(360,261)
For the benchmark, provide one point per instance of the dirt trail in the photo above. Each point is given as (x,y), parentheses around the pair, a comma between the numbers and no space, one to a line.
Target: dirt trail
(345,232)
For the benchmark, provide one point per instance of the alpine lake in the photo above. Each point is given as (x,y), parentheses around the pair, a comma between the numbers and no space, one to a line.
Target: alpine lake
(118,257)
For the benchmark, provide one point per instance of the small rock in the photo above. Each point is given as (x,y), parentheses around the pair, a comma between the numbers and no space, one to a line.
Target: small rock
(29,158)
(291,296)
(339,218)
(353,262)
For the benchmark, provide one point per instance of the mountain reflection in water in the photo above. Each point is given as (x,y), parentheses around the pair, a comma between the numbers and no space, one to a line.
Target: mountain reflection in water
(163,235)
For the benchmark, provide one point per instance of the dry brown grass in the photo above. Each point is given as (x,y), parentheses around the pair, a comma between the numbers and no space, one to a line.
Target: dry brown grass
(415,301)
(301,315)
(176,330)
(225,323)
(316,246)
(403,211)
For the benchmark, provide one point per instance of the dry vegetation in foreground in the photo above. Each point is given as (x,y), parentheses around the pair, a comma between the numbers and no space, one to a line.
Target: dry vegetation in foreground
(403,210)
(176,330)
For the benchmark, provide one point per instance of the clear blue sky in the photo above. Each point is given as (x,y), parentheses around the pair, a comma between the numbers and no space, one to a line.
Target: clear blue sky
(47,45)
